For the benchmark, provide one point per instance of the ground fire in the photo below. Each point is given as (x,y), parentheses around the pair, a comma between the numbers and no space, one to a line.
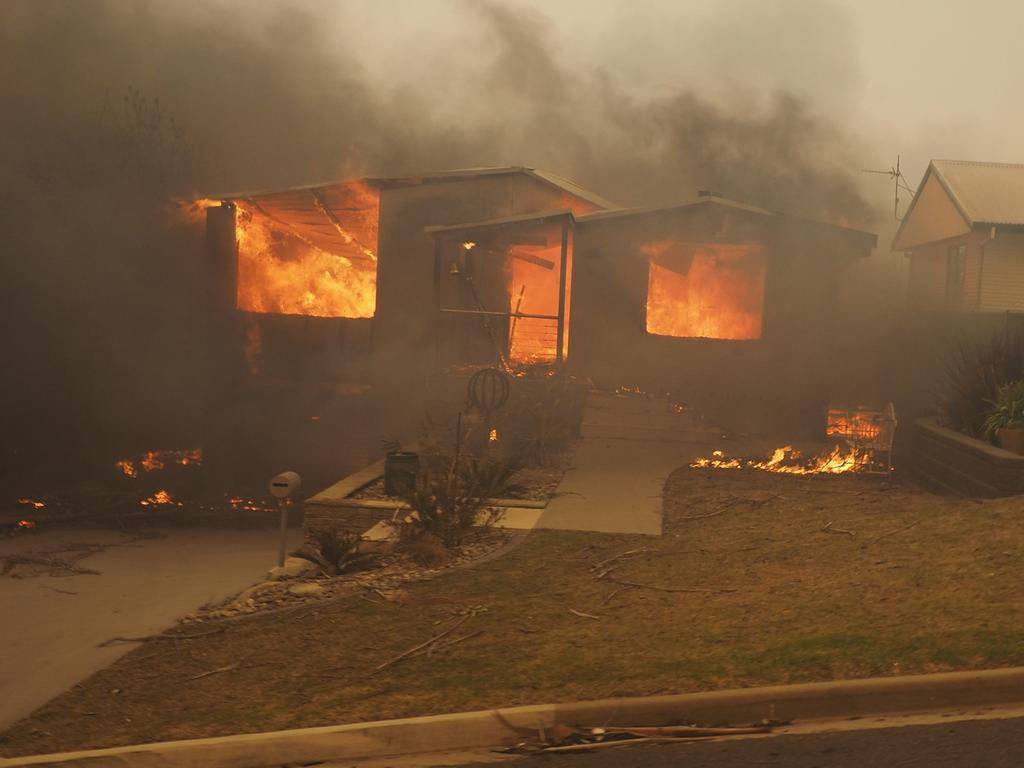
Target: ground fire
(154,460)
(788,460)
(713,290)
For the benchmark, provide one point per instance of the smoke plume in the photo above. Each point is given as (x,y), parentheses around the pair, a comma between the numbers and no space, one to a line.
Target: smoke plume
(113,107)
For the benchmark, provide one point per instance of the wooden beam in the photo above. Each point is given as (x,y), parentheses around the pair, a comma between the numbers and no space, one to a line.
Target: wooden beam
(560,357)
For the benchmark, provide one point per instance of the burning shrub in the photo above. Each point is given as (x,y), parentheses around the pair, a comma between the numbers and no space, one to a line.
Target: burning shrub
(975,373)
(336,552)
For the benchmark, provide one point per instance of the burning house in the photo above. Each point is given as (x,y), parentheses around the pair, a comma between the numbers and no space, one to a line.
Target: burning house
(325,275)
(727,306)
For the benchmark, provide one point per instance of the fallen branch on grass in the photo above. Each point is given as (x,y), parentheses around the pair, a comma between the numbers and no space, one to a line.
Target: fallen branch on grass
(599,566)
(608,599)
(583,615)
(637,585)
(893,533)
(829,529)
(60,591)
(421,646)
(730,504)
(147,638)
(217,671)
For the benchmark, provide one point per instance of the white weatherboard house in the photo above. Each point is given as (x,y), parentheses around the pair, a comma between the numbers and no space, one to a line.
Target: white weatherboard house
(964,235)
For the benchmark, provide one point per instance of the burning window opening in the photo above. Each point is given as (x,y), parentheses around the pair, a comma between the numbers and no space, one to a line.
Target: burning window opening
(705,290)
(279,272)
(160,459)
(535,282)
(500,294)
(307,252)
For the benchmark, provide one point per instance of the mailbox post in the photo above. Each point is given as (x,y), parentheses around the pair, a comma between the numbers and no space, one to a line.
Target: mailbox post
(282,487)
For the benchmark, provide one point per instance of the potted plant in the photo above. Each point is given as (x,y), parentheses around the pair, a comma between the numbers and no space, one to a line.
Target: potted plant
(1005,418)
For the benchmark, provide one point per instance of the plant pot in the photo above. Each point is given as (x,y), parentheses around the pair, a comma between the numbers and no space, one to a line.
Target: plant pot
(400,471)
(1011,439)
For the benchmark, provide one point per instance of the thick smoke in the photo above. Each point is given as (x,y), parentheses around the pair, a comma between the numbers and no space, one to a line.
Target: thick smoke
(112,107)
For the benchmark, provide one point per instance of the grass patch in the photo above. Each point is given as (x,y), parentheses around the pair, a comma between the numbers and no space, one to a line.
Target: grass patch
(923,584)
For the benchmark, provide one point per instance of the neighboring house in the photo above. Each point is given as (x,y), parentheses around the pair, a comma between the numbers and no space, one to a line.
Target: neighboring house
(964,236)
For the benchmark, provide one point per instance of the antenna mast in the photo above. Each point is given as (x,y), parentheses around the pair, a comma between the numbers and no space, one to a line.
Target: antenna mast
(899,182)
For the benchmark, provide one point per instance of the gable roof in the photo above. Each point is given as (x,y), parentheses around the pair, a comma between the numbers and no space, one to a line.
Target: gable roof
(984,194)
(868,239)
(550,179)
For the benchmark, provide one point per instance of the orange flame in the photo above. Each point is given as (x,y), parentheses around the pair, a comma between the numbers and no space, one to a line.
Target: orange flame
(535,272)
(158,498)
(788,460)
(857,425)
(705,290)
(281,270)
(32,503)
(154,460)
(26,525)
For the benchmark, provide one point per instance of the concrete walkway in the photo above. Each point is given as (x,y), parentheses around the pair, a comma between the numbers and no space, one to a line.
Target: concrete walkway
(614,486)
(52,624)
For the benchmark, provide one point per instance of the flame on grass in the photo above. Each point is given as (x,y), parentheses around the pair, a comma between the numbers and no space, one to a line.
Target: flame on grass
(788,460)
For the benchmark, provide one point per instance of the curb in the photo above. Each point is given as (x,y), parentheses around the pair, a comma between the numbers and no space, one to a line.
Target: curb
(494,728)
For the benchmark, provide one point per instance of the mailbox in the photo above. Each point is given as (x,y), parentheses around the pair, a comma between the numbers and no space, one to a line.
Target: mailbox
(284,485)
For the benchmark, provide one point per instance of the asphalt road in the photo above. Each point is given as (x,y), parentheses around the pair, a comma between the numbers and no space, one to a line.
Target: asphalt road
(969,744)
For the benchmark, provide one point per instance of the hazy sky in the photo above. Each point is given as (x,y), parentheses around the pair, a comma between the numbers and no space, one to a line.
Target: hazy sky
(923,78)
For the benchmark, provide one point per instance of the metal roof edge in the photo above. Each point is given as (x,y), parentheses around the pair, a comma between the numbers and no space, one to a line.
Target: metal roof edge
(436,229)
(570,186)
(648,210)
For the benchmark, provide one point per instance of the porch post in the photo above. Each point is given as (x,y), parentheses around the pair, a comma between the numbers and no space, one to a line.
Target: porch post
(561,293)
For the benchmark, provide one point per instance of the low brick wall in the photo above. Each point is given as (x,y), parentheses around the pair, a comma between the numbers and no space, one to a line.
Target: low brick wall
(950,462)
(334,507)
(349,515)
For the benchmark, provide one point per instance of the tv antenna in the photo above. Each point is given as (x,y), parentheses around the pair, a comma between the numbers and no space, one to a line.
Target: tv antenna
(899,182)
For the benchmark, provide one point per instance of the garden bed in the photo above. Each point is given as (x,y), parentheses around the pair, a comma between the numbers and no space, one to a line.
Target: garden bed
(951,462)
(358,502)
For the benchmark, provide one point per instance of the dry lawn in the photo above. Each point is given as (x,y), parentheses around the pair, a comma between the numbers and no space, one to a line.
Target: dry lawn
(811,578)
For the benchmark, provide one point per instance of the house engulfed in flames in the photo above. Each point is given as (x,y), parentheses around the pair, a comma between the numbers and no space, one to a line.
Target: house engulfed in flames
(728,306)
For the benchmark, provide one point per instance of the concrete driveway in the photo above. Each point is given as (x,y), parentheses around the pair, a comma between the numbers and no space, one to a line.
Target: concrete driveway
(52,624)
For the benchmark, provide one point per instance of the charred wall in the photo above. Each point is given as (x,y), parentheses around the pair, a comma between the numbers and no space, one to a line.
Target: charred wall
(777,383)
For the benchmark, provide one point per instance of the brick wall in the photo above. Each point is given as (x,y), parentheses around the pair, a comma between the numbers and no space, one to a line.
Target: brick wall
(950,462)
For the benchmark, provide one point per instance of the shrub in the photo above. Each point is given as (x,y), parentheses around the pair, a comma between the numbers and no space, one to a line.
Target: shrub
(450,497)
(975,373)
(541,425)
(335,552)
(1007,410)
